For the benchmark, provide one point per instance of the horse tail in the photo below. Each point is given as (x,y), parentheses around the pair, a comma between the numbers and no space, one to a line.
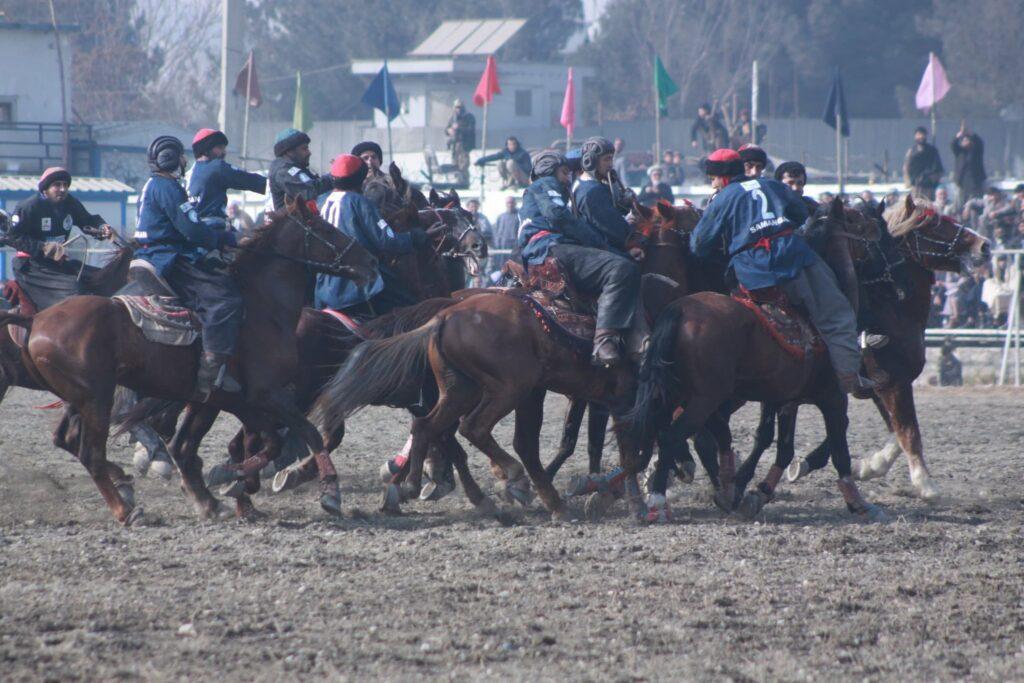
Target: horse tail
(376,371)
(17,319)
(405,319)
(127,416)
(657,381)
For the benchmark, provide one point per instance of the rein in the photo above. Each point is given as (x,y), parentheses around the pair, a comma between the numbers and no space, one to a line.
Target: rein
(311,264)
(917,250)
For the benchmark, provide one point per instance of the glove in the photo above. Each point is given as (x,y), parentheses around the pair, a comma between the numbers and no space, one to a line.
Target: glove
(419,237)
(225,238)
(54,251)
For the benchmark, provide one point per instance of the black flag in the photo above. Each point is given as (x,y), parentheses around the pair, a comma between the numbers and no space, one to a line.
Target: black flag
(836,106)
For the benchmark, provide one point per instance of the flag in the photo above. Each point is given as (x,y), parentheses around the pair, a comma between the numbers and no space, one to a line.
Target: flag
(488,86)
(381,94)
(934,84)
(568,119)
(242,82)
(664,86)
(836,106)
(301,119)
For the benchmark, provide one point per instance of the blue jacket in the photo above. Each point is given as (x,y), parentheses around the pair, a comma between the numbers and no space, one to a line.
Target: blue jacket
(547,220)
(596,206)
(208,183)
(520,156)
(744,213)
(357,217)
(169,226)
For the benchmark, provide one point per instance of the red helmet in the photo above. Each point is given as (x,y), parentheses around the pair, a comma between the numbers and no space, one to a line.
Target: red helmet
(206,139)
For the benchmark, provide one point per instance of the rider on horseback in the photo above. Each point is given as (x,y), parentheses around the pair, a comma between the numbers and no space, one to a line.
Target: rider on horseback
(178,245)
(754,159)
(550,227)
(348,210)
(289,172)
(211,177)
(757,221)
(39,228)
(373,156)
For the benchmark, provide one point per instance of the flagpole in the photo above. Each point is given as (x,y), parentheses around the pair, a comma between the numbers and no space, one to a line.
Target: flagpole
(387,108)
(248,99)
(483,149)
(657,119)
(755,89)
(839,148)
(934,105)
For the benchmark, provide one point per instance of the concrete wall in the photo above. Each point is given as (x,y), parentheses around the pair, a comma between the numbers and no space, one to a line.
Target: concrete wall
(30,74)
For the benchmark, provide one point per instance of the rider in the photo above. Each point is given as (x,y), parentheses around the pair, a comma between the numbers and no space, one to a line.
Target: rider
(754,159)
(211,177)
(39,228)
(758,219)
(550,227)
(179,245)
(289,171)
(371,153)
(348,210)
(793,175)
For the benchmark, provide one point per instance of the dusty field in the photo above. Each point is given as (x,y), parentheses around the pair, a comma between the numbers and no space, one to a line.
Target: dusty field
(804,594)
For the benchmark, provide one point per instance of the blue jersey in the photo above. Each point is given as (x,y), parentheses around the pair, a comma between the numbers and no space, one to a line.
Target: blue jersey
(547,220)
(209,181)
(754,221)
(169,226)
(597,207)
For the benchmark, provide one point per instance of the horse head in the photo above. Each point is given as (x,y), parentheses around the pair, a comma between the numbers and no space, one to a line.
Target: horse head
(935,241)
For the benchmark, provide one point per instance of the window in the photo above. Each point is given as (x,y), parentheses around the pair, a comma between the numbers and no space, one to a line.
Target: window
(6,111)
(524,103)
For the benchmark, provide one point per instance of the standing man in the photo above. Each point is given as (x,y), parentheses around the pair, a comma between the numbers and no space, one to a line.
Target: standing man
(922,167)
(289,172)
(513,164)
(506,226)
(758,221)
(461,132)
(709,130)
(968,164)
(211,177)
(479,220)
(39,228)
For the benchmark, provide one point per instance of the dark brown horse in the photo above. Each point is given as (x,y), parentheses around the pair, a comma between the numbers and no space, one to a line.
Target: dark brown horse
(82,348)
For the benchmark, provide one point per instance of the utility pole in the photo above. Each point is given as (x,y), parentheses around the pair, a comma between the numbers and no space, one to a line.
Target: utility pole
(232,39)
(65,147)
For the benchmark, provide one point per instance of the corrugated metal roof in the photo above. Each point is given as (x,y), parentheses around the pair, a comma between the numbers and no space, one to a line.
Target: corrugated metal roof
(28,183)
(468,37)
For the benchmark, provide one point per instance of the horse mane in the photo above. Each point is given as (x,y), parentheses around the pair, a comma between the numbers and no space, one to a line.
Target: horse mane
(901,222)
(117,261)
(259,241)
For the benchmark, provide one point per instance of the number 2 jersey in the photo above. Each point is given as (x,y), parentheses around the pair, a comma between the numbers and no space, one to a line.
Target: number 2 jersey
(754,222)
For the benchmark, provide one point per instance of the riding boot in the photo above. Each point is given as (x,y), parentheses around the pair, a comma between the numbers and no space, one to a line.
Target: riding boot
(606,348)
(213,374)
(857,385)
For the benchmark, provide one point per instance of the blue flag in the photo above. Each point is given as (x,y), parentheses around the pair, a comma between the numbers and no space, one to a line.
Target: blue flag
(381,94)
(836,106)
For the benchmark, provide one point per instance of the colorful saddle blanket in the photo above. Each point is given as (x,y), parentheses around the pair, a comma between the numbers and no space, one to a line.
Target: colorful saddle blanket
(791,330)
(162,319)
(553,300)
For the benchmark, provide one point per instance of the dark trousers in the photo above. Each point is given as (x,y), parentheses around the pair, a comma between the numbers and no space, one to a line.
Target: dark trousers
(613,279)
(384,301)
(214,296)
(48,282)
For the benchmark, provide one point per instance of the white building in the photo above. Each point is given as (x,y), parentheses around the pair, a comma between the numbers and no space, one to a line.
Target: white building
(30,77)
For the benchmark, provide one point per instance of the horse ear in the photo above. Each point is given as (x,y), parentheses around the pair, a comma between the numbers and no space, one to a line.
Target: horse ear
(665,210)
(453,197)
(401,187)
(837,210)
(909,203)
(289,203)
(643,211)
(435,200)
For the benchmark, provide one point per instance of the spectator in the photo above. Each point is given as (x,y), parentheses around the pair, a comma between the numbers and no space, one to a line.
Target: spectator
(951,373)
(744,133)
(942,202)
(619,163)
(1016,241)
(514,164)
(656,189)
(461,132)
(672,173)
(968,164)
(996,293)
(892,198)
(969,308)
(1000,239)
(506,227)
(985,213)
(708,129)
(826,198)
(238,219)
(480,220)
(1018,200)
(867,202)
(922,167)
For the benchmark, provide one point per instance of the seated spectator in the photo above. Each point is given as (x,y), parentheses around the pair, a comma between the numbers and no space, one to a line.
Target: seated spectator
(672,173)
(943,204)
(969,308)
(985,213)
(238,220)
(866,202)
(1016,240)
(656,189)
(826,198)
(951,373)
(514,164)
(999,238)
(1018,200)
(892,198)
(996,293)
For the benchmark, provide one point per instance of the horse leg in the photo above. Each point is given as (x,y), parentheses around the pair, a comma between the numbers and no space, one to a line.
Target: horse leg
(184,449)
(477,426)
(597,427)
(833,409)
(899,400)
(763,494)
(718,426)
(242,443)
(526,442)
(95,429)
(570,434)
(763,438)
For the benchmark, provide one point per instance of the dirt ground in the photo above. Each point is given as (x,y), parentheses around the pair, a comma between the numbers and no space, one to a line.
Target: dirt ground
(805,593)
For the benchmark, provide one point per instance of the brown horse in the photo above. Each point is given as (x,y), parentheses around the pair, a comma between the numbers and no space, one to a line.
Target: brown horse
(82,348)
(927,242)
(489,355)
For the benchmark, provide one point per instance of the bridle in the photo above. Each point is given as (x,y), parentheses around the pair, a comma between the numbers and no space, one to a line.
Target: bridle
(921,246)
(310,235)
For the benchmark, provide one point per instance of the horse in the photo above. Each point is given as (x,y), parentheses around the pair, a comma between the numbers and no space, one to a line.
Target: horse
(489,355)
(927,242)
(85,346)
(708,352)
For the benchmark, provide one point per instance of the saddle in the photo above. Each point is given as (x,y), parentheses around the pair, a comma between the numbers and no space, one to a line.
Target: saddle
(20,301)
(790,329)
(155,309)
(546,289)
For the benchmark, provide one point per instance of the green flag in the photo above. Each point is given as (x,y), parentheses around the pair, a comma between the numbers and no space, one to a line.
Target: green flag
(301,119)
(664,86)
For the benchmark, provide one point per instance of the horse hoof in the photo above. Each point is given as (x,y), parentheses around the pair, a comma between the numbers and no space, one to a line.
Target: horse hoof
(751,505)
(235,489)
(520,491)
(291,477)
(141,460)
(436,490)
(597,505)
(797,469)
(391,501)
(686,473)
(127,492)
(657,509)
(221,474)
(390,468)
(135,517)
(724,500)
(161,469)
(872,514)
(331,503)
(560,515)
(926,488)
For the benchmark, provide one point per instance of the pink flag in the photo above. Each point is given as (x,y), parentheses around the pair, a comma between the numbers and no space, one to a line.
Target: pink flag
(488,86)
(568,119)
(934,84)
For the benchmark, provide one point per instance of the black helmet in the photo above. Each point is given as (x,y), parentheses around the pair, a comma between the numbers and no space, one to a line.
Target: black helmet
(164,154)
(593,149)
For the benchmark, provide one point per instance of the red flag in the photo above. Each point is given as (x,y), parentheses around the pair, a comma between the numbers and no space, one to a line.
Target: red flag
(243,83)
(488,86)
(934,84)
(568,119)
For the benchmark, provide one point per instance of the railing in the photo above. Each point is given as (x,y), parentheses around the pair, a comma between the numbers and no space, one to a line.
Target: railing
(29,148)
